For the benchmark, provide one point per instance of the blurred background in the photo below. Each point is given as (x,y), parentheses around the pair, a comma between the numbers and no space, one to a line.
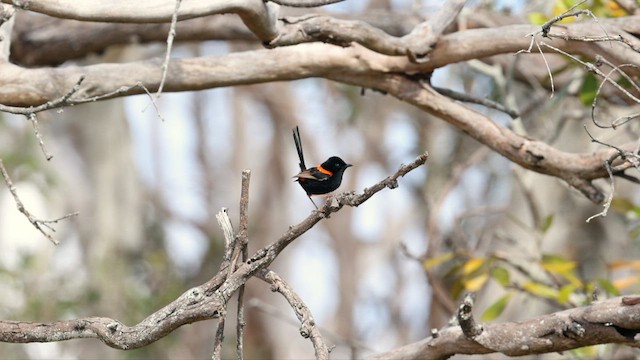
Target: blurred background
(147,184)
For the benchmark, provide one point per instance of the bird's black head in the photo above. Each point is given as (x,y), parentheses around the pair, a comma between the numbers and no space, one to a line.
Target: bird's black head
(335,164)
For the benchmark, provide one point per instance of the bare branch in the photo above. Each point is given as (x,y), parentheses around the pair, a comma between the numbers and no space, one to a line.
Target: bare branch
(167,56)
(305,3)
(203,302)
(465,318)
(36,130)
(242,243)
(37,223)
(473,100)
(608,321)
(308,327)
(416,45)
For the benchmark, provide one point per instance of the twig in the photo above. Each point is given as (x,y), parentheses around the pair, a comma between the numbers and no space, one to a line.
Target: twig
(219,339)
(308,327)
(37,223)
(61,101)
(305,4)
(465,318)
(242,243)
(227,229)
(607,165)
(470,99)
(546,27)
(167,56)
(277,313)
(36,129)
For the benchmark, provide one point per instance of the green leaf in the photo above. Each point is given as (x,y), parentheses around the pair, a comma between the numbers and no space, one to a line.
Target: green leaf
(541,290)
(622,205)
(608,287)
(546,223)
(537,18)
(589,89)
(496,308)
(501,275)
(565,293)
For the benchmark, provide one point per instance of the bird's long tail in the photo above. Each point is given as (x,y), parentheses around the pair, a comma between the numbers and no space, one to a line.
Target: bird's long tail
(298,141)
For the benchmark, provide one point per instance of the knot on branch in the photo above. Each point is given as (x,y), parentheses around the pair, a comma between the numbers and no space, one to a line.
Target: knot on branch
(113,326)
(574,330)
(465,318)
(194,296)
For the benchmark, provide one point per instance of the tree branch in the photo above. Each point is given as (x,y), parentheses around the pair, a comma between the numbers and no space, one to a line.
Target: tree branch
(610,321)
(39,224)
(308,328)
(203,302)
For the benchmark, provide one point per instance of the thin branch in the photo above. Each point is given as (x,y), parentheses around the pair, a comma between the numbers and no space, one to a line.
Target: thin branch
(36,130)
(308,328)
(277,313)
(39,224)
(242,243)
(229,244)
(227,230)
(546,27)
(61,101)
(218,339)
(474,100)
(305,3)
(167,56)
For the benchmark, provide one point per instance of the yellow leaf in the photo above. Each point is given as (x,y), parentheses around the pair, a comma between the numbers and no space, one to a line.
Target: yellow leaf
(475,283)
(473,265)
(557,264)
(437,260)
(540,290)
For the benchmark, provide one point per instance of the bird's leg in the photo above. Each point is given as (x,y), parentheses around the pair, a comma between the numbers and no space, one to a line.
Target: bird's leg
(313,202)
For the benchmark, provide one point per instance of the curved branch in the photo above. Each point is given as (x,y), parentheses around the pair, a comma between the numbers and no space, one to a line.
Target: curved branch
(610,321)
(308,328)
(203,302)
(578,170)
(354,65)
(258,16)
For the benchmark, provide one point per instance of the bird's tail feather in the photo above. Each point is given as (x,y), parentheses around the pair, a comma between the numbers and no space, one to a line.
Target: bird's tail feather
(298,141)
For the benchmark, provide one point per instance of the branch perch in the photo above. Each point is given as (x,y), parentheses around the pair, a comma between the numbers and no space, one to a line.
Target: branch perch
(204,302)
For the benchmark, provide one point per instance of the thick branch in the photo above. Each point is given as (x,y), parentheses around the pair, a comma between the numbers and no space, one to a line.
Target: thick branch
(605,322)
(578,170)
(28,87)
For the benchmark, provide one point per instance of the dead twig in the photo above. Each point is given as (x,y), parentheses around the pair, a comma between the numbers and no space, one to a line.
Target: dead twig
(37,223)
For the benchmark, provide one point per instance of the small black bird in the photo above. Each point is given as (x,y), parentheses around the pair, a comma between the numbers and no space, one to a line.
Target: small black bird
(321,179)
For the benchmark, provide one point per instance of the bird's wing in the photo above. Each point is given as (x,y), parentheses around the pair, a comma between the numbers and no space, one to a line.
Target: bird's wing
(313,174)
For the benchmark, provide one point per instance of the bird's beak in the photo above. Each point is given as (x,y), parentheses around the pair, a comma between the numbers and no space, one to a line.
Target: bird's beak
(349,165)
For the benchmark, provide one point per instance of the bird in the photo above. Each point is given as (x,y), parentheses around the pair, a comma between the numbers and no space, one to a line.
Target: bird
(321,179)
